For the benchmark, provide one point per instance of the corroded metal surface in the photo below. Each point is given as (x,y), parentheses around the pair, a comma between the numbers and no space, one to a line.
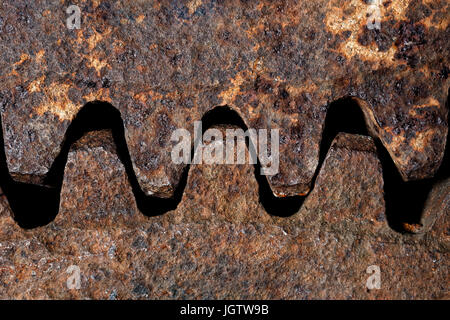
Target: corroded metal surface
(224,245)
(277,63)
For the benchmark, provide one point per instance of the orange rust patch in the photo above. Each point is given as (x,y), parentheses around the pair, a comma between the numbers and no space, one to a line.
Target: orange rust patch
(430,102)
(193,5)
(40,55)
(100,95)
(140,18)
(35,86)
(23,58)
(413,228)
(97,64)
(227,96)
(144,96)
(338,22)
(57,101)
(422,139)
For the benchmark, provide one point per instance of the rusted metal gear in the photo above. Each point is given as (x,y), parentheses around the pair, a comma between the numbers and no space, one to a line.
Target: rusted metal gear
(224,245)
(278,64)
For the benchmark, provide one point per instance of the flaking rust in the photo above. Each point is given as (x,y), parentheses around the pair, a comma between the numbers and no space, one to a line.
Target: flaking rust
(163,64)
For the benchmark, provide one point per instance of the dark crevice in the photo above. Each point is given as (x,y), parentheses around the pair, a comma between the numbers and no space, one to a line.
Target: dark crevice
(35,206)
(32,205)
(273,205)
(343,115)
(38,205)
(222,115)
(404,201)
